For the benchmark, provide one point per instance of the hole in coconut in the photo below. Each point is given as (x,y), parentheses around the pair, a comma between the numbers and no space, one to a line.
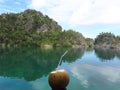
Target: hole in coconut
(53,72)
(62,70)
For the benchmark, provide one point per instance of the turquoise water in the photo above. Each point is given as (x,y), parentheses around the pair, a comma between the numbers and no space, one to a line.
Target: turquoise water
(28,68)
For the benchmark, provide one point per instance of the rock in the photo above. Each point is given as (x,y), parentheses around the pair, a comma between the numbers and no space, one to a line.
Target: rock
(43,28)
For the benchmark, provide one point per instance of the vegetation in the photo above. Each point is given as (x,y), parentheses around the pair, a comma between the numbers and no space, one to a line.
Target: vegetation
(29,20)
(108,40)
(90,42)
(32,28)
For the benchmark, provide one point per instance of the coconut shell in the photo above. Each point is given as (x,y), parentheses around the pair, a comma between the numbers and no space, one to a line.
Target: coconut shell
(58,79)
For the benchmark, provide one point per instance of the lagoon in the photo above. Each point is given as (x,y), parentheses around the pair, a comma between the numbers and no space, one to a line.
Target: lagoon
(89,69)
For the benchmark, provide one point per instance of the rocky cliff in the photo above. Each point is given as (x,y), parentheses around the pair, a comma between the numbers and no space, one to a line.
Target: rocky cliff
(29,20)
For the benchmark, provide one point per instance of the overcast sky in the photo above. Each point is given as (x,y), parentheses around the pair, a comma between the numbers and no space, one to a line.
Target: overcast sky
(90,17)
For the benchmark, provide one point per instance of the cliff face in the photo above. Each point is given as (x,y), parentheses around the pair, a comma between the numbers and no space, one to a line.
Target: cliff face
(29,20)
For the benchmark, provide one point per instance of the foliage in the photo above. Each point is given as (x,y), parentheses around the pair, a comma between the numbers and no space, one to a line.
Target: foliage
(29,20)
(107,38)
(90,42)
(32,28)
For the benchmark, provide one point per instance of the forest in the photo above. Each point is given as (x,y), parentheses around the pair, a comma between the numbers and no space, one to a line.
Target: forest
(32,28)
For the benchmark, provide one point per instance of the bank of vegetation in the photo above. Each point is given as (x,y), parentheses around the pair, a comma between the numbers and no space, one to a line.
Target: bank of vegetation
(107,40)
(32,28)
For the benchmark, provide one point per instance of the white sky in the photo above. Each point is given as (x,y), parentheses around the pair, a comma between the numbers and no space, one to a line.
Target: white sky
(80,12)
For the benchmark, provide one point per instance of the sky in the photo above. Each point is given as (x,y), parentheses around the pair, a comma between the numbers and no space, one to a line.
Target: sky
(89,17)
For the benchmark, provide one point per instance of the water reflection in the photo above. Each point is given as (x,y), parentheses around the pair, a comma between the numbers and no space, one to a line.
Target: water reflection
(32,63)
(89,49)
(105,54)
(117,54)
(28,68)
(96,77)
(73,54)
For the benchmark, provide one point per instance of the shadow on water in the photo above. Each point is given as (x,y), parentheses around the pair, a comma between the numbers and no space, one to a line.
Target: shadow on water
(73,54)
(60,89)
(31,63)
(89,49)
(117,54)
(106,54)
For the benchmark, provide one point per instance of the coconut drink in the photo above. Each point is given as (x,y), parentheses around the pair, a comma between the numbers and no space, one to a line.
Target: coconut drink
(58,79)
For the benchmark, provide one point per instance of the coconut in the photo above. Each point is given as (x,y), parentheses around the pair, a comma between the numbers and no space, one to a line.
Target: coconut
(58,79)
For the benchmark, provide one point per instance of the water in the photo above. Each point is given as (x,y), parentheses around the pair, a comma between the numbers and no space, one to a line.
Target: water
(28,68)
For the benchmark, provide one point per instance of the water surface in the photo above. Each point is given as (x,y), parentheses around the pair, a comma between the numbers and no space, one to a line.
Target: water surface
(28,68)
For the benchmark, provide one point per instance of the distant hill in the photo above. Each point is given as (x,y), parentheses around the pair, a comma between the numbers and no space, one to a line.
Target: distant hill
(108,41)
(32,28)
(29,20)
